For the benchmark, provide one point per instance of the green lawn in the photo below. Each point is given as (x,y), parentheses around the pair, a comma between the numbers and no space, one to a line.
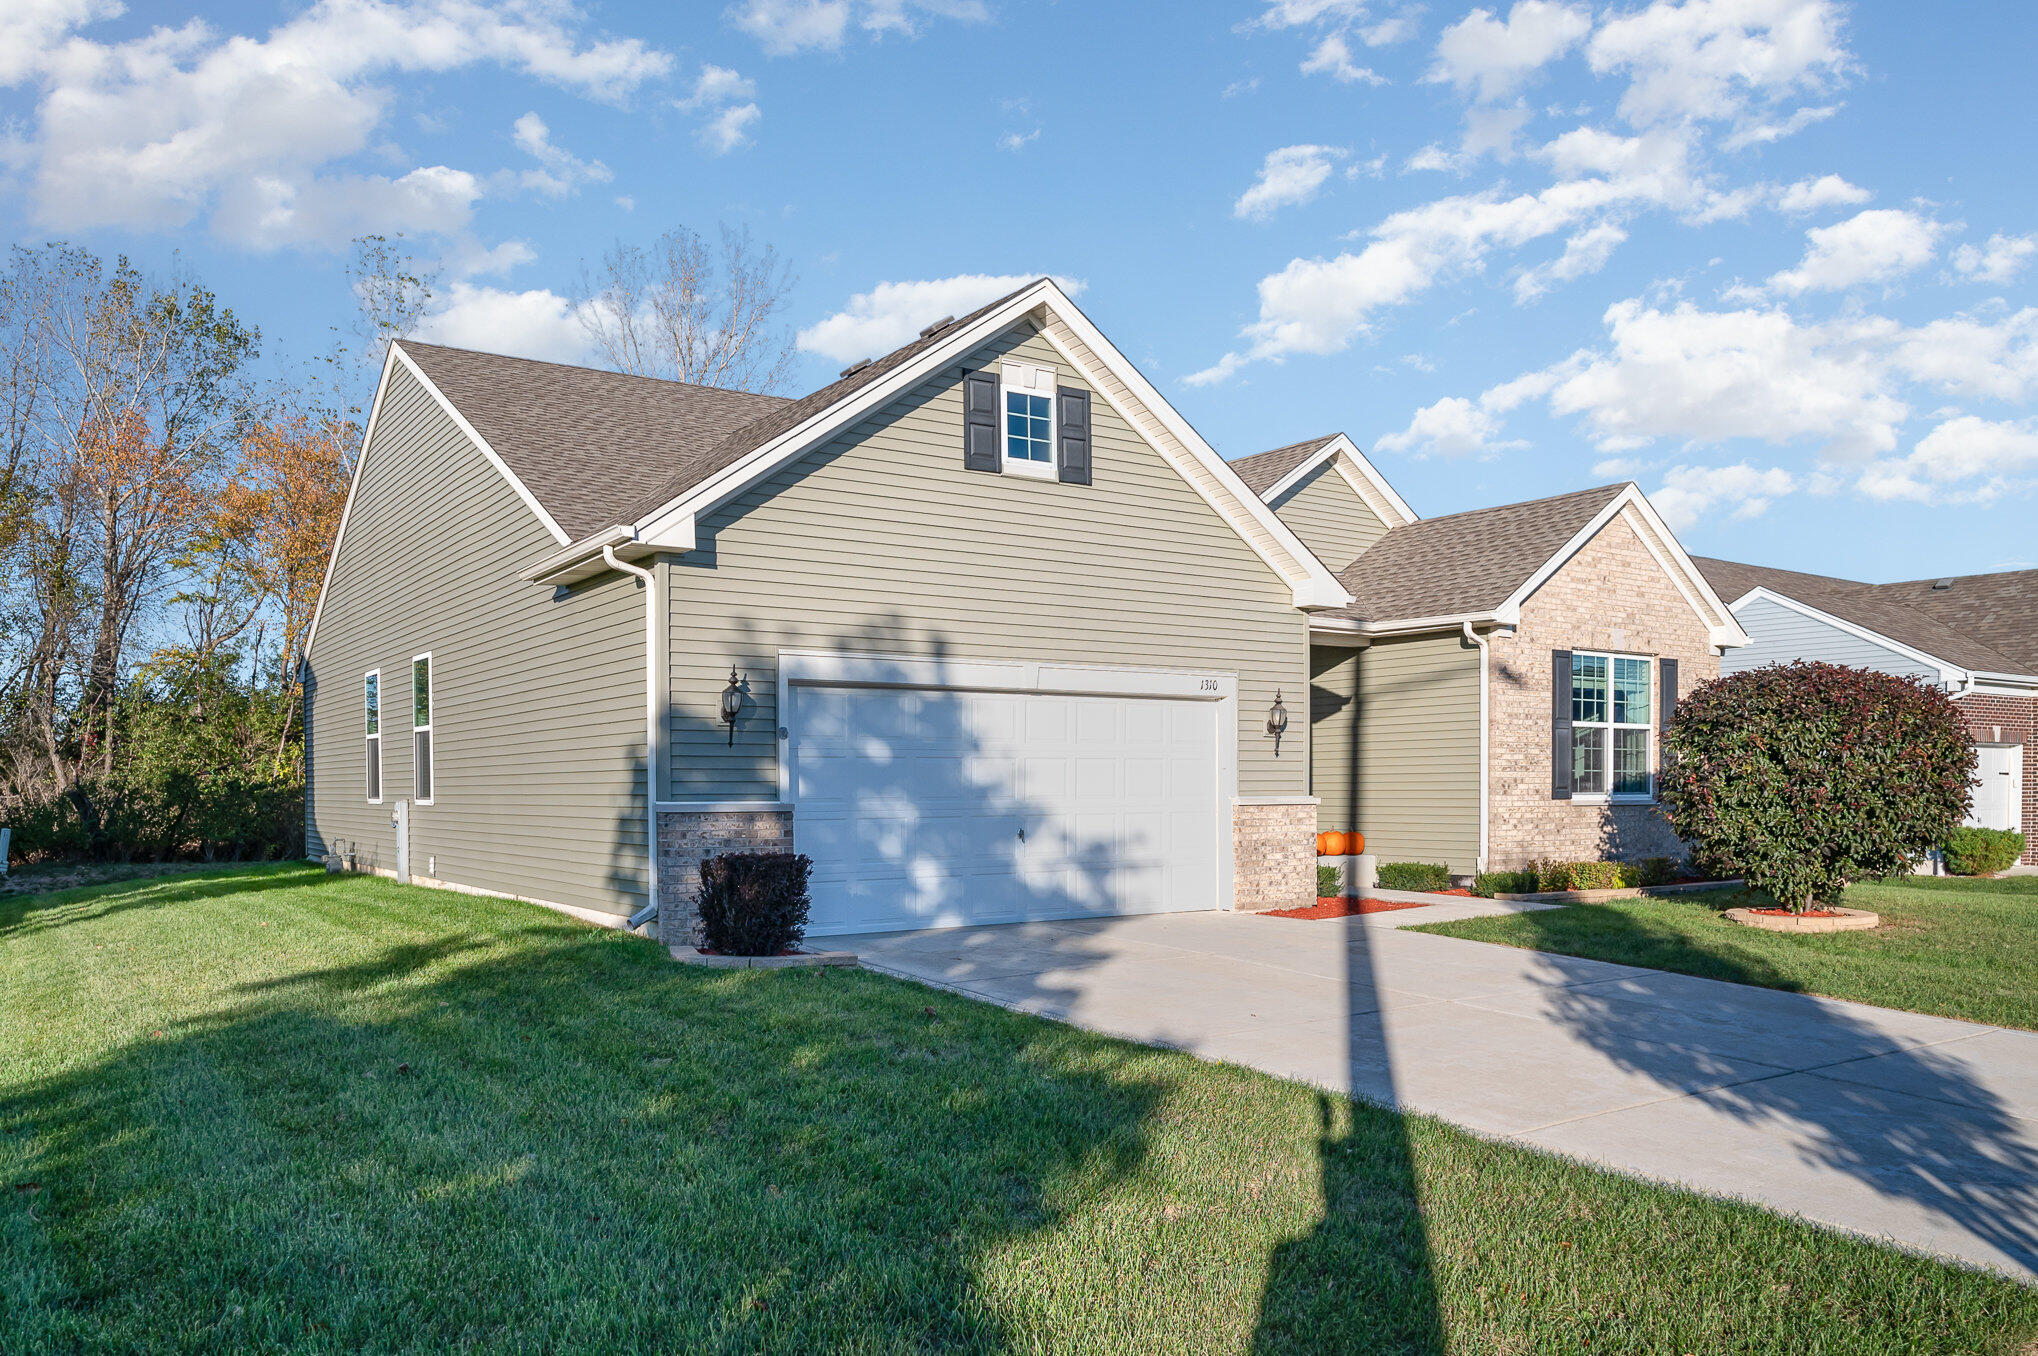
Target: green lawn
(268,1109)
(1949,946)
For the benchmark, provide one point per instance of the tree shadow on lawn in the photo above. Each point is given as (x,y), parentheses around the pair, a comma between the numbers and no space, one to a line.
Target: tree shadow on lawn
(568,1142)
(23,915)
(1883,1105)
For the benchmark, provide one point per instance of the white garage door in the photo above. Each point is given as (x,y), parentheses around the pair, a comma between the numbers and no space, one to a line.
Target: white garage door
(930,808)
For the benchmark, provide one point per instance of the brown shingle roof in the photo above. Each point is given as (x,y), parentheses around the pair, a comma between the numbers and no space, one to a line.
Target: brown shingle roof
(1264,470)
(588,443)
(1999,610)
(585,442)
(1884,609)
(1463,562)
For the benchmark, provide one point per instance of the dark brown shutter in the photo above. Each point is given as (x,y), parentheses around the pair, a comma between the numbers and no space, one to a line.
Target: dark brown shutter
(1072,444)
(1560,725)
(1666,702)
(980,422)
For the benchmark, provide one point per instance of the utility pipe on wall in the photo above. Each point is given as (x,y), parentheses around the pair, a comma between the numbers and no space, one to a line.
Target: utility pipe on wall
(650,578)
(1485,775)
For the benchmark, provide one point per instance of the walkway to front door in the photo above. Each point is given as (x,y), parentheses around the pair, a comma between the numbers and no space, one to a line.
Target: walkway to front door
(1918,1129)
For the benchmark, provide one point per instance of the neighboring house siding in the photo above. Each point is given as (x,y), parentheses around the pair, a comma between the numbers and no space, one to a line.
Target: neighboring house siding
(1330,517)
(1394,736)
(880,542)
(1778,635)
(538,697)
(1611,596)
(1995,718)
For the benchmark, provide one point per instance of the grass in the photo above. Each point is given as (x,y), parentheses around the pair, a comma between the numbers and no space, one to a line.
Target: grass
(269,1109)
(1948,946)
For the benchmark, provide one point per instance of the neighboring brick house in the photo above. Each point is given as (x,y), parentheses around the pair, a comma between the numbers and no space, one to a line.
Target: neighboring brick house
(1495,692)
(1974,635)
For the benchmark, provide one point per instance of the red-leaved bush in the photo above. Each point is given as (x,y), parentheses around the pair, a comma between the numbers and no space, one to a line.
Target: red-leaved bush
(1800,778)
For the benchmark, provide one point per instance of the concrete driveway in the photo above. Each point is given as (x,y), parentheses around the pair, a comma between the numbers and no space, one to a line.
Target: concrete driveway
(1916,1129)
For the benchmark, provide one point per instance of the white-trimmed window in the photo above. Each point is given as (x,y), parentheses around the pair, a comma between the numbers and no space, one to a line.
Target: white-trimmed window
(371,700)
(421,728)
(1611,708)
(1027,430)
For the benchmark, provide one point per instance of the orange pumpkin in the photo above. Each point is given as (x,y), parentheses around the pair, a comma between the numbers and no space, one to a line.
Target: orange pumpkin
(1355,842)
(1331,844)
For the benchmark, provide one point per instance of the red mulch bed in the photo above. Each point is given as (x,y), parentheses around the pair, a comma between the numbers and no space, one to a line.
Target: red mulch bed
(1331,906)
(1808,913)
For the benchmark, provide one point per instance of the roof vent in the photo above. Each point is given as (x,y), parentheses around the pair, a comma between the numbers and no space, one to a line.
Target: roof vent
(937,326)
(855,367)
(1942,583)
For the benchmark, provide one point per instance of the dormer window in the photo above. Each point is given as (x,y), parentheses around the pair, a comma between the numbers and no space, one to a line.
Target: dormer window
(1029,420)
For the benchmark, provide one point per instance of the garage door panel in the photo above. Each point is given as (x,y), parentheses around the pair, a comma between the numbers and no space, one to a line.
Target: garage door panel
(913,803)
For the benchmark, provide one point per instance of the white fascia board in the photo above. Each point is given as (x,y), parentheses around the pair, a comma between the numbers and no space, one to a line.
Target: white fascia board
(474,436)
(1352,464)
(1948,672)
(2004,684)
(1313,584)
(1343,626)
(1679,567)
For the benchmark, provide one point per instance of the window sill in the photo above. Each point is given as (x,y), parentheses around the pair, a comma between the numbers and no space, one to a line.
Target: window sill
(1583,798)
(1033,470)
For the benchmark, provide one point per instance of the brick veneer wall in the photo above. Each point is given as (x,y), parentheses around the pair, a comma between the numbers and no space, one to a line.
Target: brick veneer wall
(2010,720)
(687,838)
(1611,596)
(1273,856)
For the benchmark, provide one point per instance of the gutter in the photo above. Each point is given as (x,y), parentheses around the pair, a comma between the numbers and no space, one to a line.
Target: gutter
(1341,626)
(1485,729)
(650,909)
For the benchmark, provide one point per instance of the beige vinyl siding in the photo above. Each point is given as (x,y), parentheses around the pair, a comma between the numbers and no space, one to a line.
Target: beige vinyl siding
(880,542)
(1394,747)
(538,697)
(1330,516)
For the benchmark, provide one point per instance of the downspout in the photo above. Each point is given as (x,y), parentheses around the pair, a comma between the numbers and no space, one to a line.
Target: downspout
(650,910)
(1485,726)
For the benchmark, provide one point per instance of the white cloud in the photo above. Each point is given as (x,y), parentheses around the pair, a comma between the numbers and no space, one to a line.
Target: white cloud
(1585,252)
(892,313)
(1970,357)
(1452,427)
(1018,141)
(1708,376)
(729,129)
(535,324)
(1691,494)
(1966,459)
(1828,190)
(1289,176)
(1480,53)
(158,130)
(1998,261)
(31,29)
(559,171)
(1395,28)
(1303,13)
(786,27)
(1719,59)
(1878,245)
(1332,56)
(725,100)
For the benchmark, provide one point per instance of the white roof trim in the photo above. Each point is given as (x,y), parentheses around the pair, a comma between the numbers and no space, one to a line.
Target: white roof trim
(1395,626)
(1948,672)
(1352,464)
(1312,583)
(1679,567)
(390,359)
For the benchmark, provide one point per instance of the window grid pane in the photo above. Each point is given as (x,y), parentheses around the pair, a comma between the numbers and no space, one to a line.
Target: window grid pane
(1588,761)
(421,692)
(1028,427)
(1631,691)
(1588,688)
(374,703)
(1631,762)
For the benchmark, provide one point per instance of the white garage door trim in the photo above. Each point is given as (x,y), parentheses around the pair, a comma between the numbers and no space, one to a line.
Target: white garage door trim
(836,669)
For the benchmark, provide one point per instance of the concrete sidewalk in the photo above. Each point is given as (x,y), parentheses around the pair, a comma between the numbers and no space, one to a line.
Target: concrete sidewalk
(1919,1130)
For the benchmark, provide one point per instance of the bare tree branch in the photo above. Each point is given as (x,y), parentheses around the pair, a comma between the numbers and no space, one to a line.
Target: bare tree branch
(684,312)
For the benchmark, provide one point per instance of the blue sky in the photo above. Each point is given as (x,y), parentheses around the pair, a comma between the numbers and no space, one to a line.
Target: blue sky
(1773,259)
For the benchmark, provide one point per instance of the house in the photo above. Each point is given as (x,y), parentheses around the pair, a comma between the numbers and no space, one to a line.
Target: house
(1496,690)
(984,628)
(1976,636)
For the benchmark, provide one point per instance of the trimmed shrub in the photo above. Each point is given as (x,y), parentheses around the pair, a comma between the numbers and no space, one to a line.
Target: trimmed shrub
(1415,876)
(1800,778)
(1658,870)
(1982,852)
(1490,883)
(1329,881)
(754,903)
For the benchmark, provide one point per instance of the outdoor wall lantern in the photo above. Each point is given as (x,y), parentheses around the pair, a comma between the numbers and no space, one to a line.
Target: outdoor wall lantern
(732,704)
(1277,721)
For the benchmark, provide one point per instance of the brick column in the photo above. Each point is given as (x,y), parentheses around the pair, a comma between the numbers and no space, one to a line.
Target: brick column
(1996,719)
(1274,856)
(686,838)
